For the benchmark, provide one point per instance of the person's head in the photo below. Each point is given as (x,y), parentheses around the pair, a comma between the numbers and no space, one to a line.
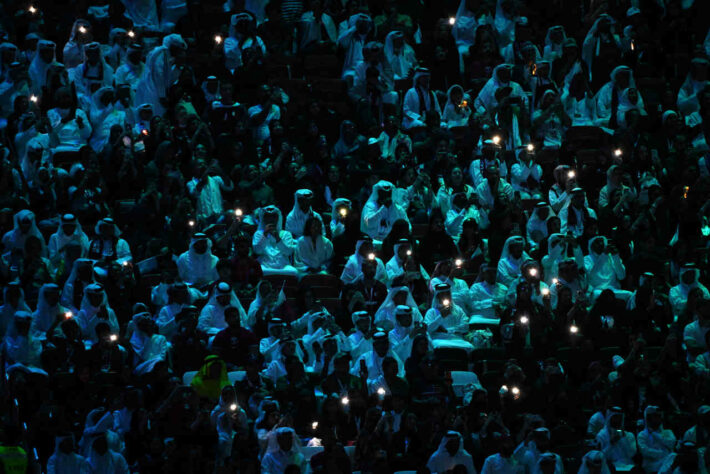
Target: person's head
(623,78)
(365,248)
(95,294)
(598,245)
(178,293)
(362,321)
(504,73)
(51,294)
(223,293)
(452,443)
(489,273)
(69,224)
(100,445)
(389,367)
(577,198)
(106,229)
(688,275)
(369,269)
(231,317)
(493,175)
(420,345)
(25,223)
(404,249)
(33,247)
(516,248)
(199,243)
(541,436)
(400,296)
(380,343)
(313,227)
(404,316)
(616,418)
(653,417)
(66,444)
(422,79)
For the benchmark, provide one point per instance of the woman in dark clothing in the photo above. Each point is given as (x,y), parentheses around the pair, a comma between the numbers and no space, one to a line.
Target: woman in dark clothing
(436,244)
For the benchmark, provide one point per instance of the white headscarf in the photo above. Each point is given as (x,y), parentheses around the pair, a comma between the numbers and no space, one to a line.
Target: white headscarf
(38,68)
(454,115)
(59,239)
(296,219)
(143,13)
(198,269)
(486,99)
(60,462)
(45,315)
(402,62)
(592,42)
(625,105)
(87,318)
(593,457)
(15,239)
(336,225)
(508,266)
(553,50)
(99,422)
(388,309)
(73,53)
(158,73)
(276,460)
(441,461)
(7,311)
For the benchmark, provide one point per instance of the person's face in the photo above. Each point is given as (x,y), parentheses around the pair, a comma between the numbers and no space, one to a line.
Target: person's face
(452,446)
(200,246)
(654,421)
(423,81)
(688,277)
(46,54)
(400,298)
(96,298)
(223,300)
(25,225)
(277,330)
(402,251)
(92,55)
(598,246)
(106,231)
(556,35)
(622,79)
(365,249)
(578,200)
(316,228)
(100,445)
(304,203)
(615,421)
(66,445)
(51,296)
(389,370)
(369,269)
(504,75)
(516,250)
(404,320)
(381,347)
(489,275)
